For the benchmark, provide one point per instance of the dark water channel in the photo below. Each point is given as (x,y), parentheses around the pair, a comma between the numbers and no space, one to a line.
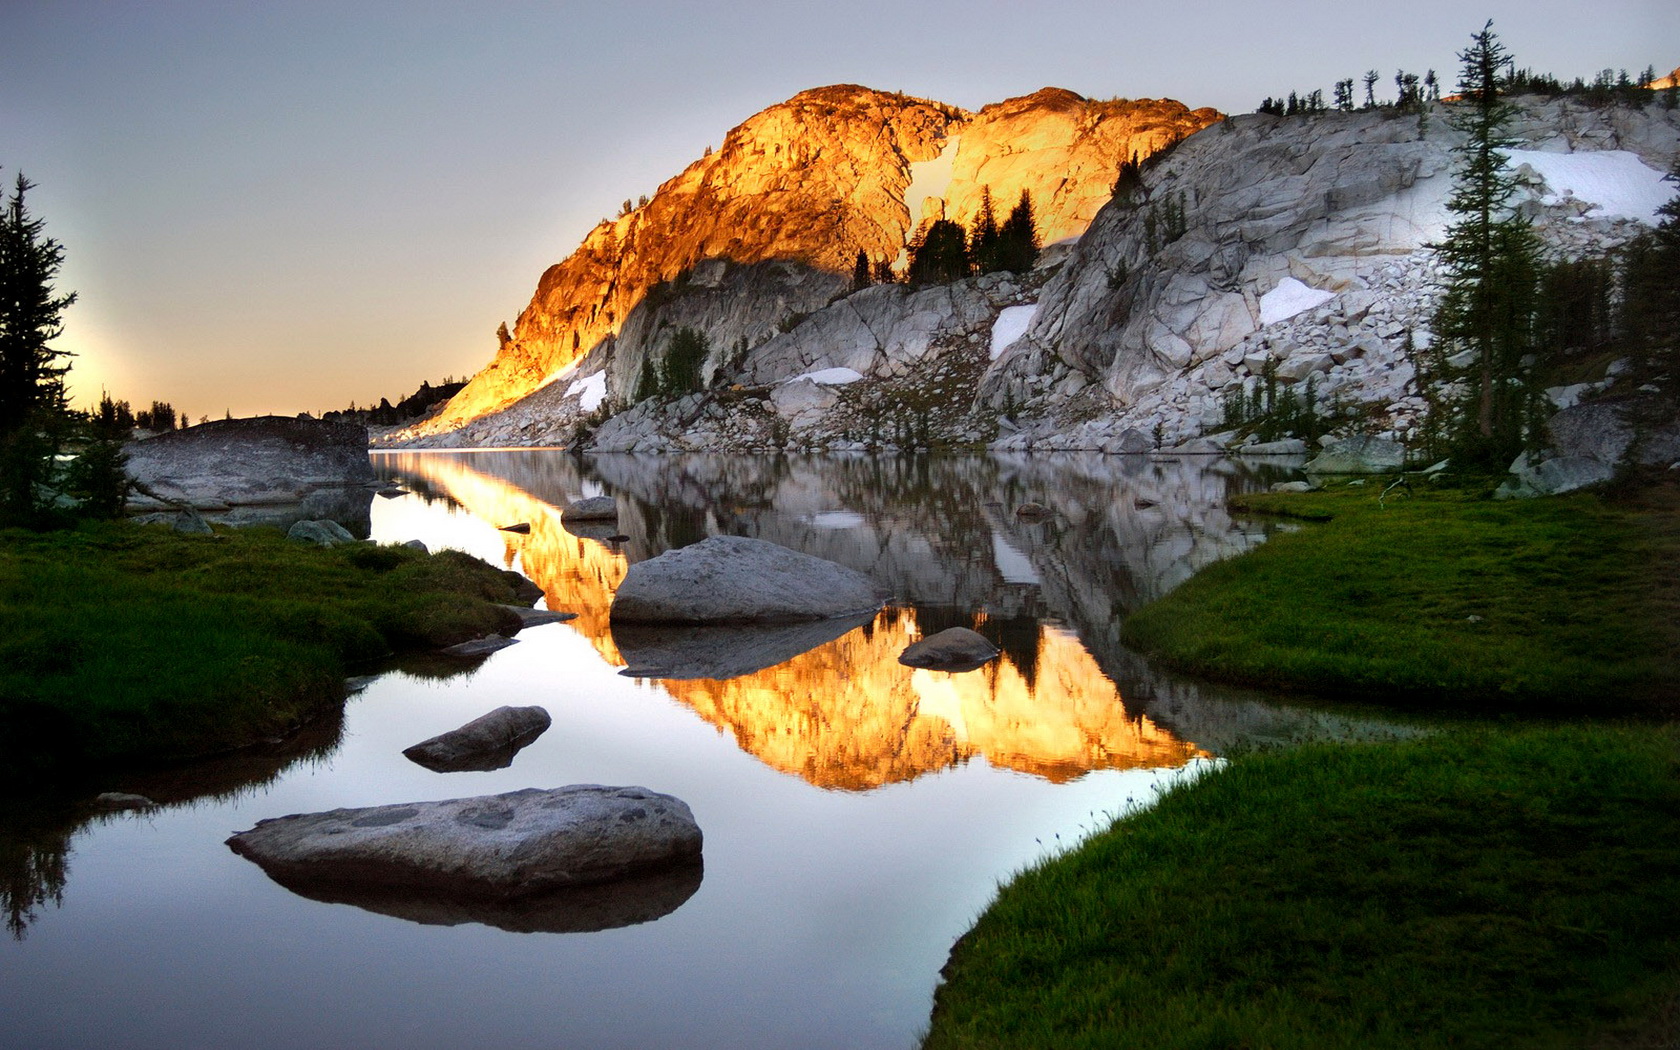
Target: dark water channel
(857,814)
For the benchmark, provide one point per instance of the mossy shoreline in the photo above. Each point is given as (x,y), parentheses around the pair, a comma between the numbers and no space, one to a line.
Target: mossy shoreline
(1490,885)
(125,646)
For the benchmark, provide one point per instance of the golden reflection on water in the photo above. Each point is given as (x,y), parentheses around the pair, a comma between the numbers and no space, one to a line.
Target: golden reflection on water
(846,714)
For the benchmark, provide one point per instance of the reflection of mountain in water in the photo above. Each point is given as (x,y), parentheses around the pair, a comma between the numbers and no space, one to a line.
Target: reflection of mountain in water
(941,535)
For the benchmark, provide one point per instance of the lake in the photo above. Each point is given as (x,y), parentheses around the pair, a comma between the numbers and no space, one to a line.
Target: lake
(858,814)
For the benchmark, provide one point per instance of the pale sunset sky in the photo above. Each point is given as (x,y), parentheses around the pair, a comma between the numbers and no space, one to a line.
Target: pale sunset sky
(291,206)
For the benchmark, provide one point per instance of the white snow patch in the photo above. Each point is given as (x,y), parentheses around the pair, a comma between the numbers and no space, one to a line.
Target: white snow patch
(829,376)
(593,388)
(1617,181)
(1012,565)
(1011,324)
(1289,298)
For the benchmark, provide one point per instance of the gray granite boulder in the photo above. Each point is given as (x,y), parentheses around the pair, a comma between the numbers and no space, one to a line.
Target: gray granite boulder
(322,533)
(492,846)
(1359,455)
(595,508)
(487,742)
(733,579)
(953,649)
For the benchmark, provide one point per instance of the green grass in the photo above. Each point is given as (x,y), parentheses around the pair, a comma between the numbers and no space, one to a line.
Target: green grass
(127,644)
(1445,599)
(1517,889)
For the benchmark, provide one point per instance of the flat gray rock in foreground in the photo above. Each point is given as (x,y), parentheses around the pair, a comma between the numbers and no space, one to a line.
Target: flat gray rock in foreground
(953,649)
(495,846)
(732,579)
(487,742)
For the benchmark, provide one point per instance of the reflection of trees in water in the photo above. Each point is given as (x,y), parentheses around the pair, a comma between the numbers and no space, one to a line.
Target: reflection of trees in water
(37,830)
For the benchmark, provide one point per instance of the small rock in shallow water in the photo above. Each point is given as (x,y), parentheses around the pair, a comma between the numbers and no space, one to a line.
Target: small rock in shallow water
(953,649)
(479,646)
(123,800)
(487,742)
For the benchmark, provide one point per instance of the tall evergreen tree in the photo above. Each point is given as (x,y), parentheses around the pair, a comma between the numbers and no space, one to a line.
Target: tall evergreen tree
(1651,316)
(984,239)
(860,271)
(940,255)
(1018,237)
(34,422)
(1490,257)
(31,315)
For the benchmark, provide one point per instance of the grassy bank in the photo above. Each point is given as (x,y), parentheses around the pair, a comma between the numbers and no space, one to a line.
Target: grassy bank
(1440,598)
(124,644)
(1475,890)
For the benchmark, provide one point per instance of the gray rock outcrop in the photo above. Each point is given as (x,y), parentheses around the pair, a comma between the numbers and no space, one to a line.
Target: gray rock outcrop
(953,649)
(493,846)
(733,579)
(266,469)
(1360,454)
(489,741)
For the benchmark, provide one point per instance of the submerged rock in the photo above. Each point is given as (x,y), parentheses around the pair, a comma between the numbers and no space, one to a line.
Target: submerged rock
(492,846)
(953,649)
(487,742)
(529,617)
(477,647)
(121,800)
(733,579)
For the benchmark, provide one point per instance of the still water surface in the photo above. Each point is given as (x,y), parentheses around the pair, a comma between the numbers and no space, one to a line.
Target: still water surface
(857,814)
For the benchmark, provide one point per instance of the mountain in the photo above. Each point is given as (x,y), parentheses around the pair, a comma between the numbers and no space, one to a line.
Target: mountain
(1261,251)
(772,221)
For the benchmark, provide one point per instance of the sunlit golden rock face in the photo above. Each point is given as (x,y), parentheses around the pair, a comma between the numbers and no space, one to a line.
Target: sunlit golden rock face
(1064,150)
(847,714)
(807,184)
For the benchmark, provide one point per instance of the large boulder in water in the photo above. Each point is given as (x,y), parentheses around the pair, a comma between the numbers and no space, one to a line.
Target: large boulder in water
(273,469)
(487,742)
(719,651)
(494,846)
(732,579)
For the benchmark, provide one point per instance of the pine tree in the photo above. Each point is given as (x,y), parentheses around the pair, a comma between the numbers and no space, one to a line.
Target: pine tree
(940,255)
(1490,258)
(1371,78)
(31,315)
(34,421)
(860,271)
(1018,237)
(984,239)
(1651,317)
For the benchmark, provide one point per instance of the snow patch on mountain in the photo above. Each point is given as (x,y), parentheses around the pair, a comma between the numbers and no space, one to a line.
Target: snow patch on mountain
(1011,324)
(1618,182)
(1289,298)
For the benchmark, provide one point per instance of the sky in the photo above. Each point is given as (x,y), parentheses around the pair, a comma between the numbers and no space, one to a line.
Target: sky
(293,206)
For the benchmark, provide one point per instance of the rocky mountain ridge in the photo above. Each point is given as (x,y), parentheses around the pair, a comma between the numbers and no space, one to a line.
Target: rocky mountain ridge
(1294,247)
(772,221)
